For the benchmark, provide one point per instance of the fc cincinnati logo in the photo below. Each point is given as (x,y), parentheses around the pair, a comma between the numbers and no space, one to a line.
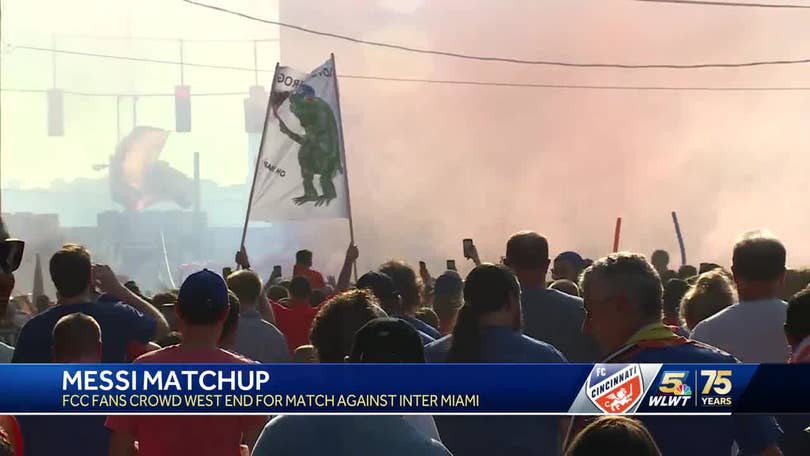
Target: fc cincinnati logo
(615,388)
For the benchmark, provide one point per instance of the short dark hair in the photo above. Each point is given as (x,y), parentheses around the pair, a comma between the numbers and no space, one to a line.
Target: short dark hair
(614,435)
(631,274)
(674,291)
(246,284)
(74,336)
(758,257)
(527,250)
(335,325)
(232,320)
(407,282)
(303,256)
(70,270)
(277,293)
(659,256)
(797,322)
(300,288)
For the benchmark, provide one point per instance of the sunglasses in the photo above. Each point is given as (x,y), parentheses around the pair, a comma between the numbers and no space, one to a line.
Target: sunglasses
(11,252)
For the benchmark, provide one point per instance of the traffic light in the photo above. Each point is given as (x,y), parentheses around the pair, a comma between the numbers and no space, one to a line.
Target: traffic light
(182,108)
(255,109)
(56,111)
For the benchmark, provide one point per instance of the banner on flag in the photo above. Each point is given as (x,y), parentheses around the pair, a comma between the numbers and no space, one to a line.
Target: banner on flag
(300,172)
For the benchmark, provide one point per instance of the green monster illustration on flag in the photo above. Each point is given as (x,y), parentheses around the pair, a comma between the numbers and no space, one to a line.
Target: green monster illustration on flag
(320,144)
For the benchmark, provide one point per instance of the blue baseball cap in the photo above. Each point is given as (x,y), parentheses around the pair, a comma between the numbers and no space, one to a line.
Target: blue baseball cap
(203,297)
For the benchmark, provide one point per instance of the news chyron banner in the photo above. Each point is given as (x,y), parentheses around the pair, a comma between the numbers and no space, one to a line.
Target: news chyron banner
(268,389)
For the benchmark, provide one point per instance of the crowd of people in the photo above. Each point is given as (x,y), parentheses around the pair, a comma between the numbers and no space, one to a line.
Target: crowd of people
(616,309)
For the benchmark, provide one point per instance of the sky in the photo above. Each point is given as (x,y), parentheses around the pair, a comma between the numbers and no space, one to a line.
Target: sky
(431,164)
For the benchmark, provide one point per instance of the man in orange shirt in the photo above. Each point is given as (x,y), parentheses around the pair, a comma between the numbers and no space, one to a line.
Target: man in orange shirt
(303,267)
(202,308)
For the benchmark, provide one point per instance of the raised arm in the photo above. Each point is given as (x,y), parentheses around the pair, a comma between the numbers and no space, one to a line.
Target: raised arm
(352,253)
(108,283)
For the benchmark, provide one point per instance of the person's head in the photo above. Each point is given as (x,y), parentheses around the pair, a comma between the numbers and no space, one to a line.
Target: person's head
(527,256)
(758,265)
(406,282)
(203,304)
(674,290)
(660,261)
(247,286)
(383,288)
(387,340)
(303,258)
(706,267)
(300,288)
(72,273)
(567,266)
(797,322)
(448,297)
(317,297)
(622,293)
(76,339)
(228,337)
(492,298)
(565,286)
(712,292)
(11,251)
(611,435)
(428,316)
(687,271)
(335,325)
(277,293)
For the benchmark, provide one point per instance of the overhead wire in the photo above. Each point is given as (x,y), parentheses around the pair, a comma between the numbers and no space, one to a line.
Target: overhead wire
(409,80)
(482,58)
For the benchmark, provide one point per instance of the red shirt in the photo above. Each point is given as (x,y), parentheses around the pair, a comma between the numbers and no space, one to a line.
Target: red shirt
(315,278)
(295,322)
(163,435)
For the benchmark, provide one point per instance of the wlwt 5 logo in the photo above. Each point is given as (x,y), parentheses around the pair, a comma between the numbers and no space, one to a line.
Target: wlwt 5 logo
(673,390)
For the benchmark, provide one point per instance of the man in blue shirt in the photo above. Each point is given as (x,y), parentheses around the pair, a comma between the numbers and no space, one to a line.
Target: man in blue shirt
(548,315)
(623,306)
(127,321)
(256,339)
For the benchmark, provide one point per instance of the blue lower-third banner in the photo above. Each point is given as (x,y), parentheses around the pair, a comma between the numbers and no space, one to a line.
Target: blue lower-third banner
(573,389)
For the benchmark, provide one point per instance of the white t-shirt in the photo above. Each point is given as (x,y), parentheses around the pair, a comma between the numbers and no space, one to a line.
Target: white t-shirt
(752,331)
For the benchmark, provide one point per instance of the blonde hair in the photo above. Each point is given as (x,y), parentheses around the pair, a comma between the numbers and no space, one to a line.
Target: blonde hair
(712,292)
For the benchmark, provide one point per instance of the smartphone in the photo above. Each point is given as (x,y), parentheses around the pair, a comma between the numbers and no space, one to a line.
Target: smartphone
(422,266)
(451,265)
(467,245)
(277,270)
(226,271)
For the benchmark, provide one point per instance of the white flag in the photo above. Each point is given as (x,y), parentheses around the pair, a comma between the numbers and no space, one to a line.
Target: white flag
(301,169)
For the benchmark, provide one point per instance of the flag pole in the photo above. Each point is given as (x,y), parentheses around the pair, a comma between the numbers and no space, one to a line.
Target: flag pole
(258,160)
(343,156)
(617,233)
(680,237)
